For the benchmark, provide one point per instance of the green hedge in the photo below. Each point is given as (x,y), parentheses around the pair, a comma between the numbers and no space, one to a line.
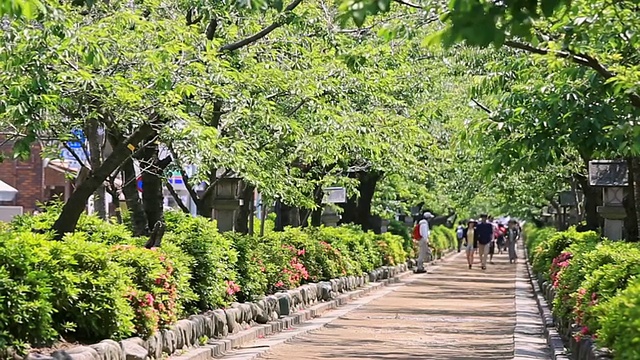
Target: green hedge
(596,283)
(100,283)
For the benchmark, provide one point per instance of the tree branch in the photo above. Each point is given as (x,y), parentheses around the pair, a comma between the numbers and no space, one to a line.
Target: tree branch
(297,107)
(580,59)
(176,197)
(259,35)
(481,106)
(185,179)
(409,4)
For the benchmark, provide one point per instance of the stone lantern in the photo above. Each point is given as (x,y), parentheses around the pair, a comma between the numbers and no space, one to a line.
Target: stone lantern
(567,200)
(226,200)
(613,177)
(332,195)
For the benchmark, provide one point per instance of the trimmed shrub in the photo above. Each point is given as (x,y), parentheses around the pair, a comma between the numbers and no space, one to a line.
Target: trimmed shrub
(69,288)
(99,282)
(214,259)
(620,323)
(391,249)
(534,236)
(401,229)
(547,250)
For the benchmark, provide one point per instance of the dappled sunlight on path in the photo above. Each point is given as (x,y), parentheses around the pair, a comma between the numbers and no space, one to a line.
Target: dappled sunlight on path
(453,313)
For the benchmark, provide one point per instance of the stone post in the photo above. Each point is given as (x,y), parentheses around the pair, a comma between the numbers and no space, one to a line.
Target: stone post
(330,217)
(226,203)
(613,212)
(384,227)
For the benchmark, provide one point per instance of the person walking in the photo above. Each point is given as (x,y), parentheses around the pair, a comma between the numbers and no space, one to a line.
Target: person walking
(470,240)
(423,242)
(512,239)
(484,231)
(460,235)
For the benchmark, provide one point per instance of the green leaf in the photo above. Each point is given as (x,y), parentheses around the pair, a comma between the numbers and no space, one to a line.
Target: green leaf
(548,7)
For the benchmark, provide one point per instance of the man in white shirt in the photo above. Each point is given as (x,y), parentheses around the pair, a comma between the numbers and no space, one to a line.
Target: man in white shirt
(423,243)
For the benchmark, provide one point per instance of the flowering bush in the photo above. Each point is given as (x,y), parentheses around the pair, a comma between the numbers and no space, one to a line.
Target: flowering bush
(154,293)
(391,249)
(597,288)
(558,264)
(100,283)
(547,250)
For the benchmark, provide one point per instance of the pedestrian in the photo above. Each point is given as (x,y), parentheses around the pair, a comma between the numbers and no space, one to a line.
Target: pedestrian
(470,240)
(460,235)
(501,242)
(484,231)
(422,231)
(512,241)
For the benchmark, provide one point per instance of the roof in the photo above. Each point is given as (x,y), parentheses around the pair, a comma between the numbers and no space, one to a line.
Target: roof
(7,192)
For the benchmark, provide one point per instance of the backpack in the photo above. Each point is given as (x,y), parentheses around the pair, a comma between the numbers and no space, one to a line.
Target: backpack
(416,232)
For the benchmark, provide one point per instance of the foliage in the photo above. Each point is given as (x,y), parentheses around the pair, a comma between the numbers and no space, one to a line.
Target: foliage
(401,229)
(534,236)
(553,246)
(595,285)
(391,249)
(61,288)
(620,330)
(213,256)
(443,239)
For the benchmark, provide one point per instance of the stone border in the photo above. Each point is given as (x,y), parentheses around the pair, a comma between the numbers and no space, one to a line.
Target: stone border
(555,342)
(216,332)
(529,333)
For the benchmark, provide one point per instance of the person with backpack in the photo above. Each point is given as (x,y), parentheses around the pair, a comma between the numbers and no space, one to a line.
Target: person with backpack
(460,235)
(421,234)
(484,231)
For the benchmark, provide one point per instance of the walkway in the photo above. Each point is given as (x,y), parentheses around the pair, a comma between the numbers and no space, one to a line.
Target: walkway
(451,313)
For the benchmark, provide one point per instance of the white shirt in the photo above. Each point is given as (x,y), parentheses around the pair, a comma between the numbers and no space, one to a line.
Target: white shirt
(424,229)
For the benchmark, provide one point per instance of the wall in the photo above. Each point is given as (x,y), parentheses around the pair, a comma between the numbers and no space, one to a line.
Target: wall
(25,176)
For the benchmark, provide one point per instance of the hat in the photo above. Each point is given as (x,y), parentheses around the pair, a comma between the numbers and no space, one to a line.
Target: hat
(427,215)
(471,221)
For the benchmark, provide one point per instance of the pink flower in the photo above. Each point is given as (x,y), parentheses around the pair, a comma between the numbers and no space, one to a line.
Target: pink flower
(149,299)
(301,252)
(279,284)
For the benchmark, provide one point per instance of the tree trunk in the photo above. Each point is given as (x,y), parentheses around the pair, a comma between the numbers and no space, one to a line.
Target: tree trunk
(242,215)
(132,199)
(152,199)
(634,182)
(368,183)
(75,205)
(592,198)
(283,218)
(349,211)
(95,156)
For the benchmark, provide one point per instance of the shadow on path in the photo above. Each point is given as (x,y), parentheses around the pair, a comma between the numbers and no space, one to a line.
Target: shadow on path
(451,314)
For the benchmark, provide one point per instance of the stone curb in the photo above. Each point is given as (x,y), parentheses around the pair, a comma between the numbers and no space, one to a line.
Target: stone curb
(554,340)
(218,348)
(529,340)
